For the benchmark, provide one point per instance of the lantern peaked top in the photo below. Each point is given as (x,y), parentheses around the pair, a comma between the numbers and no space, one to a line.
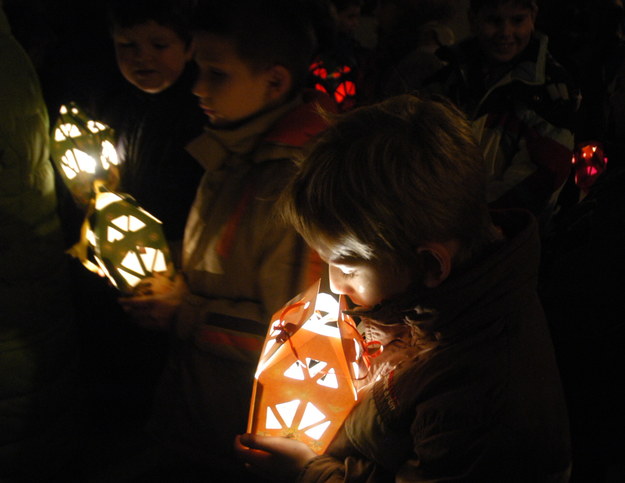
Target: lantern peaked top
(305,382)
(83,149)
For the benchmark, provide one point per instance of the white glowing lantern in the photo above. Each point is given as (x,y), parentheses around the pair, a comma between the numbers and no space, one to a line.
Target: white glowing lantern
(128,242)
(305,382)
(83,150)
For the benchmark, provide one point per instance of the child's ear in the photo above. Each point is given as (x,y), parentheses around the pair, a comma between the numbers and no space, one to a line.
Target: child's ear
(279,82)
(437,262)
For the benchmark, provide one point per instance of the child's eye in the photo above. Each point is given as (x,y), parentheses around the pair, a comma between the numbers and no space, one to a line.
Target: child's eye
(519,19)
(217,74)
(160,46)
(125,45)
(348,272)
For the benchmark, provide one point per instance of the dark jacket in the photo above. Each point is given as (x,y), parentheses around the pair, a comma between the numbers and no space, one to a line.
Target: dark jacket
(152,131)
(481,400)
(523,119)
(37,332)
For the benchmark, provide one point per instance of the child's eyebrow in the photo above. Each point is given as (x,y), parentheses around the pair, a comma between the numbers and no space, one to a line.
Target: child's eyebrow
(344,259)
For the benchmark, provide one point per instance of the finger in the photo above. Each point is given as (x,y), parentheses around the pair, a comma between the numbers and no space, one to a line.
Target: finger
(269,444)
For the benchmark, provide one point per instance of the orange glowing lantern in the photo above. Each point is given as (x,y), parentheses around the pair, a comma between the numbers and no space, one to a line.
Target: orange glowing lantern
(305,381)
(128,242)
(83,150)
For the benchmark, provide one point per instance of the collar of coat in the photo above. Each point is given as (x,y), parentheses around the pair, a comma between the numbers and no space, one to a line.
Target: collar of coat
(480,289)
(272,135)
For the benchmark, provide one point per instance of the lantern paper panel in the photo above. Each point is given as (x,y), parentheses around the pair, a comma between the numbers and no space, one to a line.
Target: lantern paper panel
(128,242)
(589,162)
(83,150)
(304,386)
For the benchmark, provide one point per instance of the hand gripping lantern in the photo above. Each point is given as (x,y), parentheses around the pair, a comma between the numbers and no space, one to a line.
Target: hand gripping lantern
(128,242)
(305,382)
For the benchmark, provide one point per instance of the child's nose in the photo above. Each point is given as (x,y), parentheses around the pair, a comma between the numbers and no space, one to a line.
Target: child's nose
(142,54)
(200,88)
(505,28)
(337,284)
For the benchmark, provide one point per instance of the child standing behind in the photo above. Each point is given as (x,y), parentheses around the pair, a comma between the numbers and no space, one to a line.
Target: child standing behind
(239,262)
(153,111)
(392,197)
(521,102)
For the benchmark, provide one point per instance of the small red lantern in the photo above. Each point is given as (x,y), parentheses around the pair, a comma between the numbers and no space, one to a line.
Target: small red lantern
(589,161)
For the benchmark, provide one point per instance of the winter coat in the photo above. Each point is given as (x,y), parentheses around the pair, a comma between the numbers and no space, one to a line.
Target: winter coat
(476,394)
(523,121)
(241,264)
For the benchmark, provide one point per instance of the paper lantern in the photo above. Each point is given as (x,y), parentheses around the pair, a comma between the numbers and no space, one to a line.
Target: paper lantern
(305,382)
(128,242)
(83,150)
(589,161)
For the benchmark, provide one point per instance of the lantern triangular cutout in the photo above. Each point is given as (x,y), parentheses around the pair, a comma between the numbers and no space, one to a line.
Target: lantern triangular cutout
(128,240)
(134,223)
(132,263)
(329,380)
(113,235)
(130,279)
(153,259)
(316,432)
(295,371)
(272,420)
(304,380)
(287,412)
(314,366)
(311,416)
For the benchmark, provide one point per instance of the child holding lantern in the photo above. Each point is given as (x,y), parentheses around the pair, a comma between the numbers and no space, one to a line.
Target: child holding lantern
(239,262)
(152,110)
(466,388)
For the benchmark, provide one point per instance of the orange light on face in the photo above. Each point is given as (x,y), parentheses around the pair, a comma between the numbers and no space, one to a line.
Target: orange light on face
(304,386)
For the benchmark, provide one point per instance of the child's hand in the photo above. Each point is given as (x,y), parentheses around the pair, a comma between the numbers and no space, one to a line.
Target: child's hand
(273,458)
(155,301)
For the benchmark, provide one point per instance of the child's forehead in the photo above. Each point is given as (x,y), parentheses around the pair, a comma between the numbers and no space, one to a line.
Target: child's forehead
(507,6)
(215,48)
(147,27)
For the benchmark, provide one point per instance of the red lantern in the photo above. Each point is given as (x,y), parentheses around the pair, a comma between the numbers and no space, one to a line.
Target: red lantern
(589,161)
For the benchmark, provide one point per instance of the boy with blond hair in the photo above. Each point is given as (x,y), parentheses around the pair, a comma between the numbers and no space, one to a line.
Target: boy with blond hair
(466,387)
(239,261)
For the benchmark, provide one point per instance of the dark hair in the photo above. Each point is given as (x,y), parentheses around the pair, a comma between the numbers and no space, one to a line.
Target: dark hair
(384,179)
(477,5)
(265,33)
(174,14)
(341,5)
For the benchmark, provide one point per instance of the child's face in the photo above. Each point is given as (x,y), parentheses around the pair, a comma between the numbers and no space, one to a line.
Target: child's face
(150,56)
(229,90)
(348,19)
(366,283)
(503,31)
